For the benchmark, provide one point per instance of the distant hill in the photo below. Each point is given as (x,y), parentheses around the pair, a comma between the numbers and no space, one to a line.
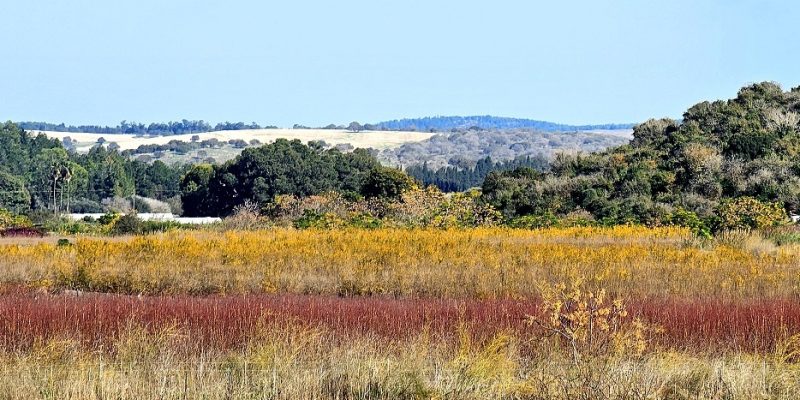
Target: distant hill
(489,122)
(465,147)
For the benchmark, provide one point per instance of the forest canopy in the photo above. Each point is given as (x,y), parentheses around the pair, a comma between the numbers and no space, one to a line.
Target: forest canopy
(746,147)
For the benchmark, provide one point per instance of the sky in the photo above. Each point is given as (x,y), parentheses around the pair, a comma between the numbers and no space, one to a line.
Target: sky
(320,62)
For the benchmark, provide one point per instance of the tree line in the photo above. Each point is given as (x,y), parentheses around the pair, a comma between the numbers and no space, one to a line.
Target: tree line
(442,123)
(459,179)
(726,164)
(38,173)
(154,129)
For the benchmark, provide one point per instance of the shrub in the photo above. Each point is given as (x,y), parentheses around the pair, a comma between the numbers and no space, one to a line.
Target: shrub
(128,224)
(245,216)
(783,235)
(688,219)
(578,218)
(68,227)
(387,183)
(313,219)
(750,213)
(148,227)
(747,240)
(108,218)
(365,221)
(588,323)
(9,220)
(545,220)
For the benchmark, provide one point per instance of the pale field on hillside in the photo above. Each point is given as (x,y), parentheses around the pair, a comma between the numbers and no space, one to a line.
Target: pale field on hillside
(623,133)
(375,139)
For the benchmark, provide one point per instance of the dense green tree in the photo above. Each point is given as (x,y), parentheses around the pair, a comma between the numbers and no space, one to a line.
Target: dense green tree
(195,191)
(49,175)
(461,178)
(384,182)
(283,167)
(18,149)
(14,196)
(157,180)
(109,174)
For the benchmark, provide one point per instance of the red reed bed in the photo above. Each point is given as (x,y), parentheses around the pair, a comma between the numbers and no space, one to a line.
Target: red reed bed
(746,325)
(230,322)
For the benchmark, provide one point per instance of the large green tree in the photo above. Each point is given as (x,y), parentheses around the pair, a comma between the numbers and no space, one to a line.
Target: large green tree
(384,182)
(195,194)
(283,167)
(14,196)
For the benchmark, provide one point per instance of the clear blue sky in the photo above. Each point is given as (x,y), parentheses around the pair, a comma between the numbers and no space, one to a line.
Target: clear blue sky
(317,62)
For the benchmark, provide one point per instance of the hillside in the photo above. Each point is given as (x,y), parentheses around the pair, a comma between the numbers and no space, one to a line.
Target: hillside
(442,123)
(364,139)
(466,147)
(221,146)
(397,148)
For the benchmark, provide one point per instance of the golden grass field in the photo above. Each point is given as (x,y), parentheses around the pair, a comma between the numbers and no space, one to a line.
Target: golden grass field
(481,263)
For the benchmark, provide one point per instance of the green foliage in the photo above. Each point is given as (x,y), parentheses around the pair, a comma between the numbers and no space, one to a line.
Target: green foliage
(14,196)
(108,174)
(156,180)
(283,167)
(313,219)
(389,183)
(195,191)
(550,220)
(459,179)
(545,220)
(750,213)
(18,149)
(687,173)
(148,227)
(65,226)
(464,210)
(128,224)
(11,220)
(108,218)
(364,220)
(688,219)
(783,235)
(131,224)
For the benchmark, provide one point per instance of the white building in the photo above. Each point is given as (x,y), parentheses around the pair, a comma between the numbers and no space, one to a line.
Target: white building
(162,217)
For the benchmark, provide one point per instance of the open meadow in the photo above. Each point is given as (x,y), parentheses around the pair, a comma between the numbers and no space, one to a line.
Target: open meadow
(563,313)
